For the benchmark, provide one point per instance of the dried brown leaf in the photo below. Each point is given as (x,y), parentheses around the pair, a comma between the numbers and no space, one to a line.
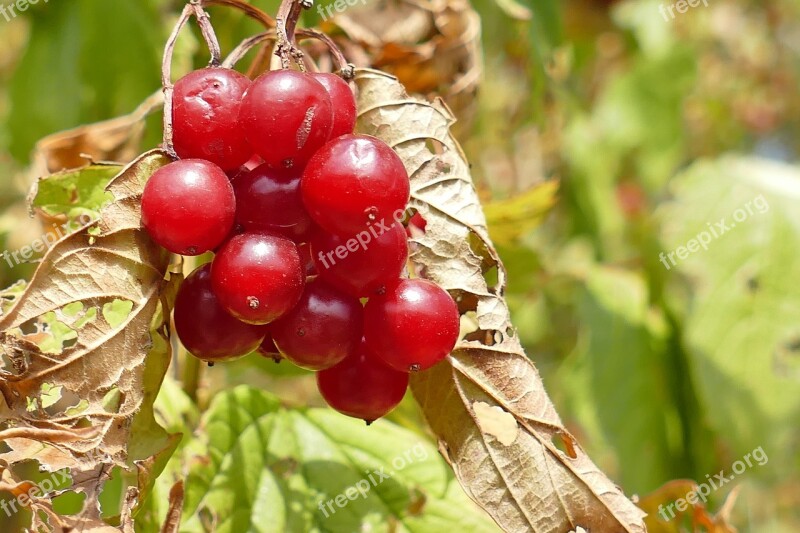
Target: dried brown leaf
(117,139)
(434,48)
(102,284)
(525,483)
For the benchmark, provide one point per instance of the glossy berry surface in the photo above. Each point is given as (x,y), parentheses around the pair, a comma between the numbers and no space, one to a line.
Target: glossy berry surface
(206,330)
(286,116)
(268,199)
(321,330)
(188,206)
(353,181)
(257,277)
(344,103)
(362,264)
(362,386)
(205,111)
(413,326)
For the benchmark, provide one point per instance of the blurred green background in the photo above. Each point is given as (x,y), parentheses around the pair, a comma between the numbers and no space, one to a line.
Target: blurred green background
(654,130)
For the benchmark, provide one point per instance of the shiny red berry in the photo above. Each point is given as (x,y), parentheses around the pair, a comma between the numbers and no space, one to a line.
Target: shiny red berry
(344,103)
(353,181)
(257,277)
(321,330)
(188,206)
(413,326)
(268,199)
(362,386)
(286,116)
(205,329)
(362,264)
(205,111)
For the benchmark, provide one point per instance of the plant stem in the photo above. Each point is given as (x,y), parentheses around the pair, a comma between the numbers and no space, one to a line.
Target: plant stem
(248,9)
(288,15)
(193,9)
(346,70)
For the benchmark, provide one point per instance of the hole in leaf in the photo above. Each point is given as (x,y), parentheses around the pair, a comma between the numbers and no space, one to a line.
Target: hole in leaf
(485,337)
(564,444)
(112,494)
(466,302)
(435,146)
(469,323)
(116,312)
(69,503)
(112,400)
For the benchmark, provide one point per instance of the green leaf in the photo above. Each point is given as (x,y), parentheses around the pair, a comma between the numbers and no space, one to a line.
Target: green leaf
(258,466)
(86,60)
(78,194)
(624,351)
(737,290)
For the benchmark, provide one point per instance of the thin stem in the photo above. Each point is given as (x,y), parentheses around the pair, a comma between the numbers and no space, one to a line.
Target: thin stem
(245,46)
(166,78)
(248,9)
(193,9)
(346,70)
(204,21)
(288,15)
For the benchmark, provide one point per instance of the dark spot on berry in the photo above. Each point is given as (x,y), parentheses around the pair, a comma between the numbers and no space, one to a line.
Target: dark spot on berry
(301,332)
(210,365)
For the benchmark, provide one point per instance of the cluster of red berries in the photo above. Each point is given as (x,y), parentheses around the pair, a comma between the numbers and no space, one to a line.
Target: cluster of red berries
(295,207)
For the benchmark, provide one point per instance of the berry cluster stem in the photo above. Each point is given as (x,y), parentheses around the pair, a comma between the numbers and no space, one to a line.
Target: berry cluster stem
(193,9)
(288,15)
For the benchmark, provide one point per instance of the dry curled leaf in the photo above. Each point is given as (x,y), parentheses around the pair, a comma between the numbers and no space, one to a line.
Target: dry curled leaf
(117,139)
(525,483)
(434,48)
(78,368)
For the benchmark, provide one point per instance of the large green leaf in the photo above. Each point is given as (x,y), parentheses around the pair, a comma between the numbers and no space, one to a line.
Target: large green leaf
(742,307)
(624,350)
(259,466)
(86,60)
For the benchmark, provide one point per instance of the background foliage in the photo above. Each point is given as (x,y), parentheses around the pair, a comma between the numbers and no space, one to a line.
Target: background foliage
(645,130)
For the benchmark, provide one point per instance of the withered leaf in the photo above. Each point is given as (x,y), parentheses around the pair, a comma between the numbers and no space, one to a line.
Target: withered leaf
(525,483)
(101,285)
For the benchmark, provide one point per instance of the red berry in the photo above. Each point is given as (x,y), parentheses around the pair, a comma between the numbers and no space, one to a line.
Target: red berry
(205,111)
(413,326)
(344,103)
(268,199)
(363,264)
(188,206)
(268,349)
(362,386)
(416,226)
(321,330)
(205,329)
(287,116)
(257,277)
(353,181)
